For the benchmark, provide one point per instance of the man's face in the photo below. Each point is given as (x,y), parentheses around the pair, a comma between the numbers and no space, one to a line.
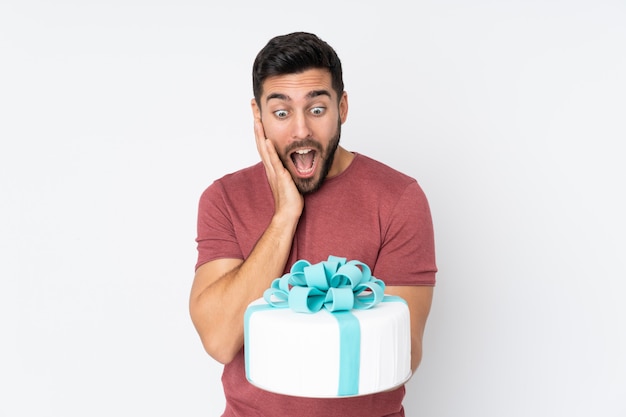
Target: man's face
(302,118)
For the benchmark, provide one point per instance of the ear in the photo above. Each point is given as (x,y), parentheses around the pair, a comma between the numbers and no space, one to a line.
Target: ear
(256,111)
(343,107)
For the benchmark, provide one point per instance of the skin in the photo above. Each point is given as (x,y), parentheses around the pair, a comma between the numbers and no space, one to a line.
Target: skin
(295,112)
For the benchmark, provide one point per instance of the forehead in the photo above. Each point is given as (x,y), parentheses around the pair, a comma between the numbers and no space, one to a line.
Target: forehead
(298,85)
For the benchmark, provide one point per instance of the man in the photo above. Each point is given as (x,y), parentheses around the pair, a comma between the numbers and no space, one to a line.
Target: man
(308,198)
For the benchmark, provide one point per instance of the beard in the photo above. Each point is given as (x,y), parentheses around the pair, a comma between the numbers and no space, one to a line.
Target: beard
(326,158)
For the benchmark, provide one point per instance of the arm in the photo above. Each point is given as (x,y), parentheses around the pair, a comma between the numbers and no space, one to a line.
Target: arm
(419,299)
(407,261)
(222,289)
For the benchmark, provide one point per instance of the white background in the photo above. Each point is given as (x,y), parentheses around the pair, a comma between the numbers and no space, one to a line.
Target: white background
(115,115)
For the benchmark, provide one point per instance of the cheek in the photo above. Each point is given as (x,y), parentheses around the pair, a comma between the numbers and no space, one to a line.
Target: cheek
(275,132)
(330,131)
(278,139)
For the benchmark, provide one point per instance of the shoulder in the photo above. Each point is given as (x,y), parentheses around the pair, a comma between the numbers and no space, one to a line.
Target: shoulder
(244,179)
(243,176)
(368,180)
(376,174)
(376,168)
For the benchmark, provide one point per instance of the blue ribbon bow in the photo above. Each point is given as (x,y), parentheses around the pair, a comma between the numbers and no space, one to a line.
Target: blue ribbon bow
(334,284)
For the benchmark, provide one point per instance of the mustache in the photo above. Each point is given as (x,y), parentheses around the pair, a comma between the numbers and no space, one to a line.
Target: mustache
(305,143)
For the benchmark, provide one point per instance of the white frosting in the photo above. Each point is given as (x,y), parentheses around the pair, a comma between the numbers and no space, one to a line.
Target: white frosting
(298,353)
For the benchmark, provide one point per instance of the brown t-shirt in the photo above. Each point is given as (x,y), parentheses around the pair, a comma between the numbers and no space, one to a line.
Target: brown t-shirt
(370,213)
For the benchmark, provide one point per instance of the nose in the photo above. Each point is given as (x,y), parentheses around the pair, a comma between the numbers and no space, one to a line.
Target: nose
(300,128)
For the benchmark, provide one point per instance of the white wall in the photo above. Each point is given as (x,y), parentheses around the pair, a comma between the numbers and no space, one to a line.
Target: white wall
(114,116)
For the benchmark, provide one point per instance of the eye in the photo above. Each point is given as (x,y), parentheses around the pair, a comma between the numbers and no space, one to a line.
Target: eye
(318,111)
(281,114)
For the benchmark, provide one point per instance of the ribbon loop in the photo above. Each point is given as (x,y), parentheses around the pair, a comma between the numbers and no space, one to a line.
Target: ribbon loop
(335,284)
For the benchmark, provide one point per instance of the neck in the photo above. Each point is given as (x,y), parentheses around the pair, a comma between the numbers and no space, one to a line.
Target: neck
(343,159)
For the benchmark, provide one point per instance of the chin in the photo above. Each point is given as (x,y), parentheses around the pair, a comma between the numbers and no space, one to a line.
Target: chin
(308,185)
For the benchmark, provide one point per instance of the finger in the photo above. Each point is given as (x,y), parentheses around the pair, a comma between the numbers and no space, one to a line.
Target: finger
(259,134)
(272,157)
(261,140)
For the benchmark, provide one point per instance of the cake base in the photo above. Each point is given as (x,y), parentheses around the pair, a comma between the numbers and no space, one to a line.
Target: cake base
(328,355)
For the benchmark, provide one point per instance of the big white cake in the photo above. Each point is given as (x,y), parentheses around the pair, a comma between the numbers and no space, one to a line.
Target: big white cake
(311,339)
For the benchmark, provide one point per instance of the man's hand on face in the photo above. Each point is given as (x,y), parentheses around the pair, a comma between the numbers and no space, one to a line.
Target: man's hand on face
(287,198)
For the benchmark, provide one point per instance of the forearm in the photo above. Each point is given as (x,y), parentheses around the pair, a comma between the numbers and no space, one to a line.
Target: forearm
(419,300)
(220,296)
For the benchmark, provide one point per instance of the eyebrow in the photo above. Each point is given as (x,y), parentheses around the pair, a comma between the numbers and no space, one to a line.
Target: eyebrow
(310,95)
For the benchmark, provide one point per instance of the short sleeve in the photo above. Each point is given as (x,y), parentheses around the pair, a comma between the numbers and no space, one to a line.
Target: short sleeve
(215,231)
(407,255)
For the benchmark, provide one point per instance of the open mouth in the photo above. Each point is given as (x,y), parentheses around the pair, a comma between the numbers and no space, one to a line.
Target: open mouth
(304,161)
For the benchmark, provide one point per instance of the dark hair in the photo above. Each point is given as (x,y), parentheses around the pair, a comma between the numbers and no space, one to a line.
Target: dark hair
(293,53)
